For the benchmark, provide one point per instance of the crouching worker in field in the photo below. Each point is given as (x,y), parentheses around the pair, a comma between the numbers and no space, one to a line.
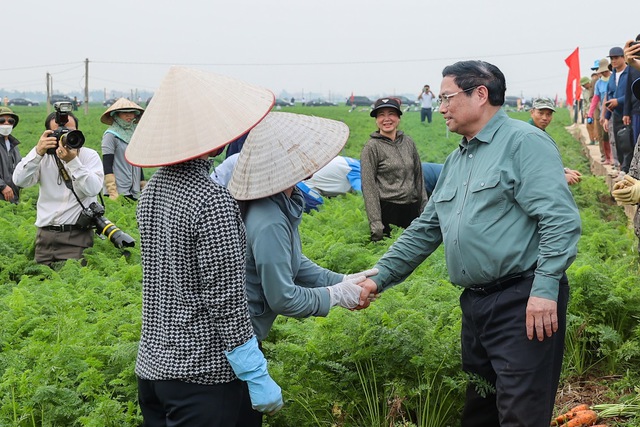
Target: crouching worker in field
(510,228)
(281,151)
(199,363)
(69,179)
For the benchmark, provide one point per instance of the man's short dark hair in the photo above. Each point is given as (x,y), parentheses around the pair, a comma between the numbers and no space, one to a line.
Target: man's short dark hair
(468,74)
(52,116)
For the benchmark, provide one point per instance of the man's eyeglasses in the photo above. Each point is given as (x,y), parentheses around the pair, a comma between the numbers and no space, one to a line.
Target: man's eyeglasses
(10,120)
(444,100)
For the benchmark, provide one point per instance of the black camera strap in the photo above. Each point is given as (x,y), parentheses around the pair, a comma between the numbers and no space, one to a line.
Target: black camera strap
(64,174)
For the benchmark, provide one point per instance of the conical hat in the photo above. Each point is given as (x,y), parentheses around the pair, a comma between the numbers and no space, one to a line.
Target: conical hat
(195,112)
(120,104)
(282,150)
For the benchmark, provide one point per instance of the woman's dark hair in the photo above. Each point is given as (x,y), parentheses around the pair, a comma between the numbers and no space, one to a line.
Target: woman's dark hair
(52,116)
(467,74)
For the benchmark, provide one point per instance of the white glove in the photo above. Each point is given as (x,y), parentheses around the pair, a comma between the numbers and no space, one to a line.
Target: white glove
(367,273)
(346,294)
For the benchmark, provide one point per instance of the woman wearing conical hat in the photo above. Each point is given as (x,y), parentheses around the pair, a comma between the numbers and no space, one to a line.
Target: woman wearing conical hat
(282,150)
(120,177)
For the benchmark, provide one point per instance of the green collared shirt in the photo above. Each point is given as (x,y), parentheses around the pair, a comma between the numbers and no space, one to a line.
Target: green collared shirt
(501,206)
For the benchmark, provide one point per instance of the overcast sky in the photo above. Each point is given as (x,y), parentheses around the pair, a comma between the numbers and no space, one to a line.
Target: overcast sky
(330,47)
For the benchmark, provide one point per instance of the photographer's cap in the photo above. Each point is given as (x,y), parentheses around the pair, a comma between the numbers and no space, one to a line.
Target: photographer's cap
(282,150)
(121,105)
(193,113)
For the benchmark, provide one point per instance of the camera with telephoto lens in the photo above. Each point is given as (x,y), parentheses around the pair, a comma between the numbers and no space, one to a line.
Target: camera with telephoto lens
(69,138)
(93,216)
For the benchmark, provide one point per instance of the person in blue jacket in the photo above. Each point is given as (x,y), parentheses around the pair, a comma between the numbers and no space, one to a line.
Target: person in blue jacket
(279,152)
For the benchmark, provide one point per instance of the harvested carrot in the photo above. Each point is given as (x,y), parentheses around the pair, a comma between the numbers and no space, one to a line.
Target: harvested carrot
(583,419)
(570,414)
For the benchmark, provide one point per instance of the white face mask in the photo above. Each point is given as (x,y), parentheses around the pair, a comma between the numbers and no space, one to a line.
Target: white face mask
(5,130)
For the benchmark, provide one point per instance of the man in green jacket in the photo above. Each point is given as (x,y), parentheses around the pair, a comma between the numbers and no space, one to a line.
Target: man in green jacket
(510,227)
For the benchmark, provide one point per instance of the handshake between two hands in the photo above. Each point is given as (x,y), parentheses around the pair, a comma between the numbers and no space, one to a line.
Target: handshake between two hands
(356,291)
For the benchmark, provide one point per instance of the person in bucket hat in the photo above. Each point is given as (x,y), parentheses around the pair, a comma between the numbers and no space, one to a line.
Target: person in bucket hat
(9,155)
(120,177)
(199,362)
(392,179)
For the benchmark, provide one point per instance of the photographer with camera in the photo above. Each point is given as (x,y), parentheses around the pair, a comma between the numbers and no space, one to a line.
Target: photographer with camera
(58,162)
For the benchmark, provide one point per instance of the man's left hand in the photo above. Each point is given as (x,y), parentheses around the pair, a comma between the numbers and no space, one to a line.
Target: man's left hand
(66,154)
(542,317)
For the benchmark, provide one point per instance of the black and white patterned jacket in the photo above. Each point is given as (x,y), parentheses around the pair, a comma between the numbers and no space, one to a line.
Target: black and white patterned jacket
(193,249)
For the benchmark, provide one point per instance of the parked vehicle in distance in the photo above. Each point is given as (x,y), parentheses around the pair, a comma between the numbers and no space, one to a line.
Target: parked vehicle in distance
(360,101)
(59,98)
(62,98)
(512,101)
(405,101)
(109,102)
(22,101)
(320,103)
(283,103)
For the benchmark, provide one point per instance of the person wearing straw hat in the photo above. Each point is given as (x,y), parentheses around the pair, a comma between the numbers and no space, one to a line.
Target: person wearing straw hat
(391,170)
(9,155)
(199,363)
(281,151)
(120,177)
(61,233)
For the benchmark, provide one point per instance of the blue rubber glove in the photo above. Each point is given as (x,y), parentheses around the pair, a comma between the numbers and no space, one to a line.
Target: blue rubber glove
(249,364)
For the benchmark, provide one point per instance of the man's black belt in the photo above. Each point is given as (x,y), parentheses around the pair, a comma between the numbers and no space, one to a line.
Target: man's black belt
(502,283)
(64,227)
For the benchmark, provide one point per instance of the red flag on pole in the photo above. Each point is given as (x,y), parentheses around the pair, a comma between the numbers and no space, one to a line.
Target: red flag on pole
(573,62)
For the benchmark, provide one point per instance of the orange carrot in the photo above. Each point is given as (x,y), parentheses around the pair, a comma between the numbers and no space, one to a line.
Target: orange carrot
(583,419)
(570,414)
